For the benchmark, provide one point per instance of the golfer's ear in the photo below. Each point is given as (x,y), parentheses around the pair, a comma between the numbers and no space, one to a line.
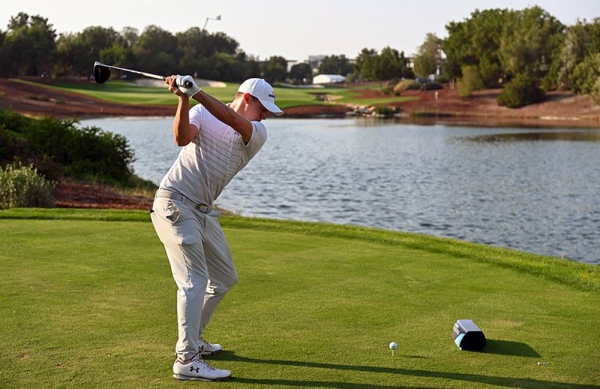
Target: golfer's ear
(247,97)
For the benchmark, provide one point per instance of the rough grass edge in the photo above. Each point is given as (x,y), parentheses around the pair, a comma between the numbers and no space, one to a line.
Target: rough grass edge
(582,276)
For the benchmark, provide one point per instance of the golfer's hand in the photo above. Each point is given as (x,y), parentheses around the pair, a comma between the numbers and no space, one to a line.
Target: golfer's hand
(171,82)
(187,85)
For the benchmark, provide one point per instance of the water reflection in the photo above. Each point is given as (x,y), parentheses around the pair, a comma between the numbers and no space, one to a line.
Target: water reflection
(570,136)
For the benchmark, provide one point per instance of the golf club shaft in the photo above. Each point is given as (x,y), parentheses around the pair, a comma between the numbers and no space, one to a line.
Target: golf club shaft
(150,75)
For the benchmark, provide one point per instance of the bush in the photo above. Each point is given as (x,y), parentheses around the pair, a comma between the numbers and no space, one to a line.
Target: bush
(432,86)
(470,81)
(387,90)
(56,147)
(521,91)
(442,79)
(387,111)
(22,186)
(13,121)
(406,85)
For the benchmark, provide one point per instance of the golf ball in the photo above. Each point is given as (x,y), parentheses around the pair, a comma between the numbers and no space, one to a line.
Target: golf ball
(393,346)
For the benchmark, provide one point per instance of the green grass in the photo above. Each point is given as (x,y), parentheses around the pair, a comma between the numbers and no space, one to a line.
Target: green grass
(87,301)
(129,93)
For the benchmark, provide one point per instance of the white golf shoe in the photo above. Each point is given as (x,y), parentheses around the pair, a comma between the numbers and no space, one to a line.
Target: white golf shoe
(207,349)
(198,370)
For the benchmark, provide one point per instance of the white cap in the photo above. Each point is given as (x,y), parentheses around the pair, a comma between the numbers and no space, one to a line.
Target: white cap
(263,91)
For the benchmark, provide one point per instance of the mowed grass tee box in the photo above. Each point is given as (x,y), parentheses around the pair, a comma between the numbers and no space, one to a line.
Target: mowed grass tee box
(87,300)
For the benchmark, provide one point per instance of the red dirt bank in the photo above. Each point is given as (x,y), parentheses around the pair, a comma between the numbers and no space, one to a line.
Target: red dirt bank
(560,109)
(560,106)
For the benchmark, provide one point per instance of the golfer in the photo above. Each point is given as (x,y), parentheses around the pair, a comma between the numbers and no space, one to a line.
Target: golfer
(217,141)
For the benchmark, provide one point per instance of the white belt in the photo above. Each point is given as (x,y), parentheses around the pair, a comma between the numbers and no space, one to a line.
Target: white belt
(167,194)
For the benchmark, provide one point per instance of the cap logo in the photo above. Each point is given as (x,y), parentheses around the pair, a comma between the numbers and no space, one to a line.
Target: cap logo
(272,95)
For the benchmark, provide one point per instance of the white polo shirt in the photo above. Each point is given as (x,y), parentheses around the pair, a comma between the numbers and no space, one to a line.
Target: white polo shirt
(206,165)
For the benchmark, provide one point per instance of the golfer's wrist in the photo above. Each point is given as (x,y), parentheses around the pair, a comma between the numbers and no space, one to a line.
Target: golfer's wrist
(194,90)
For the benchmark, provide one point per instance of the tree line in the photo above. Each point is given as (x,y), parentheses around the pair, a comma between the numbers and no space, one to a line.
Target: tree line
(31,47)
(528,51)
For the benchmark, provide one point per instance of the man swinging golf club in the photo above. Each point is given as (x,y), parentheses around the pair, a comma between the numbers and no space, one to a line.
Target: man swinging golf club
(217,141)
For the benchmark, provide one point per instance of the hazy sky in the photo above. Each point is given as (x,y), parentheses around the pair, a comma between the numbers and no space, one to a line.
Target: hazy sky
(292,29)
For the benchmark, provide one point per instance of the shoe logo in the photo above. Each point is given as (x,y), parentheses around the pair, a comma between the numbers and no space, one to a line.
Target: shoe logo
(195,370)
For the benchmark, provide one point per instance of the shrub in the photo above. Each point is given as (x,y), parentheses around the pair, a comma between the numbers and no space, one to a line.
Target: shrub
(22,186)
(442,79)
(56,147)
(39,97)
(521,91)
(406,85)
(386,111)
(470,81)
(13,121)
(432,86)
(387,90)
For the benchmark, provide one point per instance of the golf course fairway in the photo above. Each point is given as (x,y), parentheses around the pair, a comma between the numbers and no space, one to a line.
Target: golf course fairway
(87,301)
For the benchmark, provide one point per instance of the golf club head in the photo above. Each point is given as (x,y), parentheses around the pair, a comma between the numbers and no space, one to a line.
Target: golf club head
(101,73)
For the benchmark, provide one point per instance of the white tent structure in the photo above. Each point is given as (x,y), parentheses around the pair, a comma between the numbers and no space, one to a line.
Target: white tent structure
(328,79)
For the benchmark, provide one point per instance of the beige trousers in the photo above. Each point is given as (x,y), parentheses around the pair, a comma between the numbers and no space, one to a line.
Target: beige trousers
(201,264)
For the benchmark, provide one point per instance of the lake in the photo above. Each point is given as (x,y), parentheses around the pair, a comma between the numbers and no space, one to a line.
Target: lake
(530,189)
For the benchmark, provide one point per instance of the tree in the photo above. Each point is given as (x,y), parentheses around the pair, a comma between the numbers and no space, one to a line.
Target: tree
(118,55)
(392,65)
(585,75)
(71,56)
(388,65)
(334,64)
(90,43)
(428,56)
(367,64)
(486,33)
(197,49)
(274,69)
(581,39)
(130,35)
(531,39)
(362,56)
(156,51)
(503,44)
(245,67)
(300,73)
(475,42)
(3,60)
(29,46)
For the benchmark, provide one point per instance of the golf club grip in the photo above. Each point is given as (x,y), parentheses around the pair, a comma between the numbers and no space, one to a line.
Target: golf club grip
(186,84)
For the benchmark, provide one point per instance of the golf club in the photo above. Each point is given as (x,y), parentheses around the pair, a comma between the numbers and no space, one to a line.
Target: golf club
(102,73)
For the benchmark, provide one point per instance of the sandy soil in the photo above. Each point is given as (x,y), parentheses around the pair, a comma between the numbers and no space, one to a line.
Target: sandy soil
(560,106)
(40,101)
(561,109)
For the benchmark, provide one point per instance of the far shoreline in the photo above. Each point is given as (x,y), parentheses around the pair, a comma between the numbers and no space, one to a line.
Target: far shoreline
(454,121)
(561,109)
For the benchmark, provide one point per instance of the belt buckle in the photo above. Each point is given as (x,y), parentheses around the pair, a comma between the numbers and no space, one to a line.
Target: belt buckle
(203,208)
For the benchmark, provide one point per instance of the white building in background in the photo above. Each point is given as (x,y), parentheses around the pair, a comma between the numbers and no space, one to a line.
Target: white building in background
(328,79)
(292,62)
(315,61)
